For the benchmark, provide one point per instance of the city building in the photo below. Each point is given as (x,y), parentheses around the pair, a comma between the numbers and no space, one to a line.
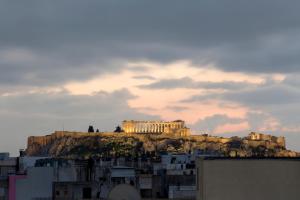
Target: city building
(76,190)
(36,184)
(248,178)
(8,166)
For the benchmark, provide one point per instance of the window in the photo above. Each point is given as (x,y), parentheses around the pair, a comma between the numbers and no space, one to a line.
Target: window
(87,193)
(57,193)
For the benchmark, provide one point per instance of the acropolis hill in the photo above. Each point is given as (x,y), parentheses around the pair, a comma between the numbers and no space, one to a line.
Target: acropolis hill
(138,137)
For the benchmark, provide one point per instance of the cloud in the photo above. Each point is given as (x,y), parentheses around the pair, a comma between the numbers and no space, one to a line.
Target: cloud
(209,124)
(271,108)
(187,82)
(144,77)
(52,52)
(42,113)
(232,128)
(61,41)
(177,108)
(264,96)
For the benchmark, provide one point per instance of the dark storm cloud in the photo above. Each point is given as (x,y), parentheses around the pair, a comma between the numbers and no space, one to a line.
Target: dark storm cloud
(44,70)
(77,39)
(187,82)
(64,105)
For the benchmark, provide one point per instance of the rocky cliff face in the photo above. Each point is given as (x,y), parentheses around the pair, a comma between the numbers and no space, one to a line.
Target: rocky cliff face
(78,144)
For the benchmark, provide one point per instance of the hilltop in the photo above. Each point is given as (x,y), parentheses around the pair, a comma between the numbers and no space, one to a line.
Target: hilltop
(106,144)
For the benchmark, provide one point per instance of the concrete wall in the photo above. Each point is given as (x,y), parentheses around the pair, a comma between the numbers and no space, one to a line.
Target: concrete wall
(12,185)
(37,184)
(248,179)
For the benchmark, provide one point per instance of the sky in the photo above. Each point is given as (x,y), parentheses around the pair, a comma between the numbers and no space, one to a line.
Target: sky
(225,67)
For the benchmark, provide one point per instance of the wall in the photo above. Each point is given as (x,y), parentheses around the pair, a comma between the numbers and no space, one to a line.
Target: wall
(248,179)
(12,179)
(27,161)
(74,190)
(37,184)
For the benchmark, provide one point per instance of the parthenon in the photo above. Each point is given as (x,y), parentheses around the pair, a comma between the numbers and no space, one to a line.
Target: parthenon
(176,127)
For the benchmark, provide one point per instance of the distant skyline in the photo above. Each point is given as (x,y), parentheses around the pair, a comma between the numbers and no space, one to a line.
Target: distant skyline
(225,67)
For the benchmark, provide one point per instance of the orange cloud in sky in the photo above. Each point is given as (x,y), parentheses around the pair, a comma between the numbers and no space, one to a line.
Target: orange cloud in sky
(232,128)
(270,124)
(184,68)
(161,101)
(176,70)
(193,111)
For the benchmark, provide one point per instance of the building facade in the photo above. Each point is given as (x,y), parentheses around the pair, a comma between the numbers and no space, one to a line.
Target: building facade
(176,128)
(264,137)
(248,179)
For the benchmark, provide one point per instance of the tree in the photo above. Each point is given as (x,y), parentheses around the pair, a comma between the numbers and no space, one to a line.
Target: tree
(118,129)
(91,129)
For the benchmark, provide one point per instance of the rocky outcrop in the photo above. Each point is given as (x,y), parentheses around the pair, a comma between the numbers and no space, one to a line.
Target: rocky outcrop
(79,144)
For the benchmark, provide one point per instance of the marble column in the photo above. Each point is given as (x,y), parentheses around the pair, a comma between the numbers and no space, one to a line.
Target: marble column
(136,128)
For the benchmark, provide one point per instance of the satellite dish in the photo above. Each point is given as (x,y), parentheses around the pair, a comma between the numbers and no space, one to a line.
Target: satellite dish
(124,192)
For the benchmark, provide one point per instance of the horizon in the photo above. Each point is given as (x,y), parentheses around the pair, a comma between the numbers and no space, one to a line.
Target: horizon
(95,130)
(193,133)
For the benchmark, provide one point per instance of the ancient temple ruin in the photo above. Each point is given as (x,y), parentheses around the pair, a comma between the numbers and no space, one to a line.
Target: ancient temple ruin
(176,128)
